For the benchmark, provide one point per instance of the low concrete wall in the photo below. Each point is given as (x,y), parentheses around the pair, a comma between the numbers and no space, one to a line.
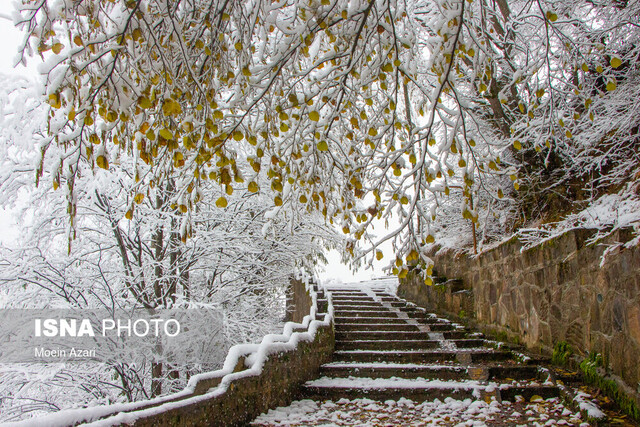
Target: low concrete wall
(255,378)
(560,290)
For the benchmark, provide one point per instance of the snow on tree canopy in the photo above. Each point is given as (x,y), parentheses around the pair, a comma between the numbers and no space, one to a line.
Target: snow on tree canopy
(361,110)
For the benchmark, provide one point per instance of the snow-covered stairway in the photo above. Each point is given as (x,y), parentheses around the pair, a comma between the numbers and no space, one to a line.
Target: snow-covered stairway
(396,365)
(387,349)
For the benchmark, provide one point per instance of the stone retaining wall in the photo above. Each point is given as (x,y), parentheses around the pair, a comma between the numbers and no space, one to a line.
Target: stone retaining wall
(560,290)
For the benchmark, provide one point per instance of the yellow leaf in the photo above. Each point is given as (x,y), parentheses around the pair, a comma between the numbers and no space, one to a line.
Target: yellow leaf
(277,201)
(551,16)
(373,132)
(585,67)
(238,46)
(428,281)
(102,162)
(314,116)
(129,214)
(616,62)
(138,198)
(430,239)
(221,202)
(166,134)
(323,146)
(54,100)
(379,255)
(462,163)
(57,48)
(611,86)
(144,103)
(77,40)
(238,136)
(517,145)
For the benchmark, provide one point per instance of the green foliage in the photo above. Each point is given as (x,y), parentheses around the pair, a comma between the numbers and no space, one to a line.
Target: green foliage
(589,368)
(561,353)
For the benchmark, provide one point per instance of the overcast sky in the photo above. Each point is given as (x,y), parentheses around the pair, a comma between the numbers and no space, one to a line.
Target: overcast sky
(10,39)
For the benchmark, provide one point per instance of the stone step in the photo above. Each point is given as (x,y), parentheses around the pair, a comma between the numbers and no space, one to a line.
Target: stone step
(391,299)
(429,371)
(510,393)
(369,320)
(421,356)
(352,298)
(383,394)
(381,335)
(365,313)
(358,305)
(418,389)
(439,327)
(386,345)
(374,308)
(405,344)
(433,323)
(375,327)
(411,333)
(388,370)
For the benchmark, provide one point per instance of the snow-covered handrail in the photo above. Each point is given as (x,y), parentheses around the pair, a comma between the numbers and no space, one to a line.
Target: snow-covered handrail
(205,386)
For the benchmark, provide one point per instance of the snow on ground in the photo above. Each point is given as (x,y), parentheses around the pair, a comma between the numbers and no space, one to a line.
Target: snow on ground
(388,284)
(404,412)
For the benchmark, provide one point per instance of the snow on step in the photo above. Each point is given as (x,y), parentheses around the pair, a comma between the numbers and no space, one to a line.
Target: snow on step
(384,365)
(405,412)
(396,383)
